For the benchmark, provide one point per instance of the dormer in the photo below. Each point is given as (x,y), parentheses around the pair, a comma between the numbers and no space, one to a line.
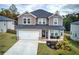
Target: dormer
(56,19)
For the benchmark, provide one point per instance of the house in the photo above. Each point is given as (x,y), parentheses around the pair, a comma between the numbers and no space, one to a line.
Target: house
(40,24)
(6,23)
(74,30)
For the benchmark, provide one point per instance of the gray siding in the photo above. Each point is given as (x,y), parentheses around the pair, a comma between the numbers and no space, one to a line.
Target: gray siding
(3,26)
(60,21)
(32,19)
(74,32)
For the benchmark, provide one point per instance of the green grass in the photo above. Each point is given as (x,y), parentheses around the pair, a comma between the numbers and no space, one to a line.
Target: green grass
(6,41)
(43,49)
(68,32)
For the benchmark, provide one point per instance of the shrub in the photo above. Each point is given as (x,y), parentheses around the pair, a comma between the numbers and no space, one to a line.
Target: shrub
(11,31)
(2,52)
(63,45)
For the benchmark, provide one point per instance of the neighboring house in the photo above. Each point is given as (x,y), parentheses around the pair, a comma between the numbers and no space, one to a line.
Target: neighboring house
(41,25)
(74,30)
(6,23)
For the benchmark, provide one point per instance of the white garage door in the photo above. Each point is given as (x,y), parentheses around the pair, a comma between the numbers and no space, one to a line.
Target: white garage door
(29,35)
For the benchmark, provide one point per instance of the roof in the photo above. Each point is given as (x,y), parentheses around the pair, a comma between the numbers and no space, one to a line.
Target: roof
(26,13)
(39,27)
(4,18)
(41,13)
(76,23)
(56,15)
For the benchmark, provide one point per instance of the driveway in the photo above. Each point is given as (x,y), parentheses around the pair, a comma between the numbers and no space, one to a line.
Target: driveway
(23,47)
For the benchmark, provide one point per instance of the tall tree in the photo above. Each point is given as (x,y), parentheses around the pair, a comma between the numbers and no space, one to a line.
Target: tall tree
(2,13)
(13,8)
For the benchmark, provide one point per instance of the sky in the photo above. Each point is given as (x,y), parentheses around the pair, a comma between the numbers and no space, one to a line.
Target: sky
(62,8)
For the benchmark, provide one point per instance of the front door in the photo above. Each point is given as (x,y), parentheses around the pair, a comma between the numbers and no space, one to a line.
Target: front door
(44,34)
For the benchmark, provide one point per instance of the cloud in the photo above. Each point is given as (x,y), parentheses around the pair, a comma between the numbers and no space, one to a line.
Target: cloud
(70,8)
(31,7)
(63,8)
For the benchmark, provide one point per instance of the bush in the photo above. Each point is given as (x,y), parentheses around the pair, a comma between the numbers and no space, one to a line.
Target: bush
(11,31)
(63,45)
(2,52)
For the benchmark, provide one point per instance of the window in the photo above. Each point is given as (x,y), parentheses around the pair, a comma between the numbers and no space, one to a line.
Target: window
(39,22)
(56,34)
(61,33)
(24,21)
(43,22)
(1,30)
(75,35)
(43,33)
(28,21)
(55,21)
(51,34)
(4,24)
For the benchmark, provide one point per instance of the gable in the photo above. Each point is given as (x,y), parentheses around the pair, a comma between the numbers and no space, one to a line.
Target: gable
(55,16)
(26,14)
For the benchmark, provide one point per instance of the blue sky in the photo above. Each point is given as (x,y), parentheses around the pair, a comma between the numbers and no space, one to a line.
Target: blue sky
(63,8)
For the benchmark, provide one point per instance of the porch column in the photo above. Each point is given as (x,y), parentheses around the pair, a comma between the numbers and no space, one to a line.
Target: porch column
(48,34)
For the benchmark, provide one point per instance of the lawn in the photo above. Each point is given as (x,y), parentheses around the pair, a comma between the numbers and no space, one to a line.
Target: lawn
(6,41)
(43,49)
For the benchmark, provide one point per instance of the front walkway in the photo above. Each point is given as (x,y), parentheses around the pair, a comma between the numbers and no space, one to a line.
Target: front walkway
(23,47)
(41,41)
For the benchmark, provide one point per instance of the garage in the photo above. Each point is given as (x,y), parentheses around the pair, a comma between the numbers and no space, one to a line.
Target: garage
(28,34)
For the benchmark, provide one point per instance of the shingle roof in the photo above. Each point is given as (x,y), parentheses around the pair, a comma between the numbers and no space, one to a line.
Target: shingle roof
(39,27)
(3,18)
(76,23)
(41,13)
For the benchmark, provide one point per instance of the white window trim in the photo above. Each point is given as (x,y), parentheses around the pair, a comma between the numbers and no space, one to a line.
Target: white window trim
(41,20)
(55,20)
(26,21)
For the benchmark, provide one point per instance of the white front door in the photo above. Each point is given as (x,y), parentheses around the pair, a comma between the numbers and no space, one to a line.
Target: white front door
(28,35)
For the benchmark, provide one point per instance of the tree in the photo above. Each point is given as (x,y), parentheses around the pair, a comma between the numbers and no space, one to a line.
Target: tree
(13,8)
(69,19)
(2,13)
(67,22)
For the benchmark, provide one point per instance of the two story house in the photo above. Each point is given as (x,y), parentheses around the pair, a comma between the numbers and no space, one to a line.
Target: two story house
(40,24)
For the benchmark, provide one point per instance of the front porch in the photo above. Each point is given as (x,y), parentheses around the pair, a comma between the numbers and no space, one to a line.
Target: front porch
(51,35)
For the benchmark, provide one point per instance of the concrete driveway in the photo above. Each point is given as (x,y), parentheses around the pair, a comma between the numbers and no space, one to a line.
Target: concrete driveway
(23,47)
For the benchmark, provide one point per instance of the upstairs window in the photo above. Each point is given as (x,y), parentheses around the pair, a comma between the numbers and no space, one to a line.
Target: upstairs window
(42,21)
(24,21)
(28,21)
(55,21)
